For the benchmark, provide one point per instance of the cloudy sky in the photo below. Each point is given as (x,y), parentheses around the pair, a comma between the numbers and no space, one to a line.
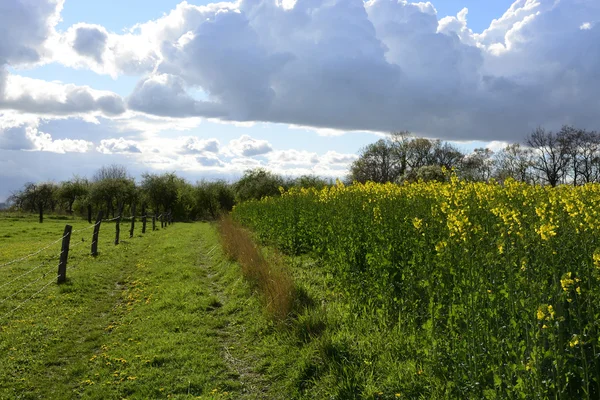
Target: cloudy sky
(297,86)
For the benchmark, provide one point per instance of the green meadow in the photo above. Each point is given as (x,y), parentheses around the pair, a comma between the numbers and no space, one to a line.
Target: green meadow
(166,315)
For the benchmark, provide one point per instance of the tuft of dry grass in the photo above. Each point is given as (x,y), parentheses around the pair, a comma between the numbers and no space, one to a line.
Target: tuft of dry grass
(270,277)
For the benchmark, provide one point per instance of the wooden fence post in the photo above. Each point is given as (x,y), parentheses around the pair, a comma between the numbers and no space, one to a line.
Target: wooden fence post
(143,219)
(95,235)
(41,210)
(162,220)
(132,221)
(64,254)
(154,222)
(89,209)
(118,225)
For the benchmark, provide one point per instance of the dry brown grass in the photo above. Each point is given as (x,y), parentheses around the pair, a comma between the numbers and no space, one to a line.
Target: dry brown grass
(270,276)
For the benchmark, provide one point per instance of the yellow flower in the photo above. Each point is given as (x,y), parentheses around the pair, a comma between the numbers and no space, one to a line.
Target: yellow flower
(574,341)
(417,223)
(540,314)
(566,281)
(440,246)
(546,231)
(551,312)
(596,258)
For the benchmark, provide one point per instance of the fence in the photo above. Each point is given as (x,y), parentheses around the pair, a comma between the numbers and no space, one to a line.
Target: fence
(165,219)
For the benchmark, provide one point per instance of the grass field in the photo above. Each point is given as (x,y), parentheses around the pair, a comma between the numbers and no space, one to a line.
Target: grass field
(427,291)
(149,318)
(166,315)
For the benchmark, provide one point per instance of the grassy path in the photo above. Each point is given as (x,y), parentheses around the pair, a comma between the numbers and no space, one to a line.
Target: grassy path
(159,316)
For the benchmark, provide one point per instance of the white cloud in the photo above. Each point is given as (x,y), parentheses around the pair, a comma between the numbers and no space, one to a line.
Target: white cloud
(120,145)
(338,65)
(497,145)
(319,131)
(249,147)
(165,95)
(90,41)
(25,26)
(41,97)
(15,138)
(18,133)
(44,142)
(209,160)
(335,158)
(194,145)
(305,64)
(245,163)
(25,29)
(292,158)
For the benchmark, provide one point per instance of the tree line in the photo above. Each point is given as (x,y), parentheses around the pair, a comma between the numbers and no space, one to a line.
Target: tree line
(112,188)
(568,156)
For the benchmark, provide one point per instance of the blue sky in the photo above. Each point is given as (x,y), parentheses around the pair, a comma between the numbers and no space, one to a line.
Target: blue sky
(209,90)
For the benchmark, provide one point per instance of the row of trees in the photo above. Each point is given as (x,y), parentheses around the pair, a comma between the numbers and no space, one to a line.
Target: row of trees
(569,156)
(112,187)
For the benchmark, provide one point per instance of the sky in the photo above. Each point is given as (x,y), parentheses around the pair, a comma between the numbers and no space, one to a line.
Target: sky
(209,90)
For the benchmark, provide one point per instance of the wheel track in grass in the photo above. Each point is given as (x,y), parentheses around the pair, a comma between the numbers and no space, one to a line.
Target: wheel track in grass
(224,278)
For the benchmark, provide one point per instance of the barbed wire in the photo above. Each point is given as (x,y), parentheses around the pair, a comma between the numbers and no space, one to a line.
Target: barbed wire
(24,274)
(109,220)
(31,297)
(23,288)
(77,244)
(84,229)
(33,254)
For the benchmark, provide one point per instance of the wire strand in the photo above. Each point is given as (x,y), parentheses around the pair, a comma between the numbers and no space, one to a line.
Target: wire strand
(23,288)
(77,244)
(31,297)
(83,229)
(26,273)
(33,254)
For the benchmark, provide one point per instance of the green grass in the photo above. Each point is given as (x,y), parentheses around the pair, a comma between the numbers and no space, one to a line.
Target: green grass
(145,319)
(165,315)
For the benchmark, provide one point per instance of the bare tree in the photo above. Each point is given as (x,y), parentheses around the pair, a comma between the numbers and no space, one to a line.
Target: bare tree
(113,171)
(588,165)
(446,155)
(478,166)
(514,161)
(551,154)
(112,186)
(420,153)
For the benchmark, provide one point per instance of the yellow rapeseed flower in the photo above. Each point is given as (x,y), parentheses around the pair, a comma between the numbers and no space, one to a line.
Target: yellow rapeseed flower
(574,341)
(417,223)
(566,282)
(540,314)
